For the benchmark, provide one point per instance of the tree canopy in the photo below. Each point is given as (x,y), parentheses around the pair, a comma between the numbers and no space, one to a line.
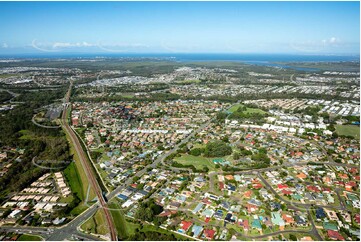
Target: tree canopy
(217,148)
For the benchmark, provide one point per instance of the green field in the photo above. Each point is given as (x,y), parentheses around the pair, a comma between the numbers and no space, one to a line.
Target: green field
(197,161)
(29,237)
(148,227)
(82,179)
(27,135)
(348,130)
(189,81)
(127,95)
(235,107)
(123,227)
(77,187)
(96,224)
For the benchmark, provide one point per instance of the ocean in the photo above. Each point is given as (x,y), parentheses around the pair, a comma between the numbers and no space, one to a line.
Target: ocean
(254,59)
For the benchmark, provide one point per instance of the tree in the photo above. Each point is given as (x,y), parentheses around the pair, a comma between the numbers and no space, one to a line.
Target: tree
(217,149)
(236,156)
(225,139)
(205,169)
(293,237)
(196,151)
(89,125)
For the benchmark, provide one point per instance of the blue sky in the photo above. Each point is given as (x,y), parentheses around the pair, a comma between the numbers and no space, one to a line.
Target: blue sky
(180,27)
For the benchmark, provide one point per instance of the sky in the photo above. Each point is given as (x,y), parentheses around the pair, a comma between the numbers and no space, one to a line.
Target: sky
(180,27)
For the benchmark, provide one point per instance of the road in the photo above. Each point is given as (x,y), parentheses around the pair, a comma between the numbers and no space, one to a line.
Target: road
(87,167)
(71,229)
(43,126)
(160,159)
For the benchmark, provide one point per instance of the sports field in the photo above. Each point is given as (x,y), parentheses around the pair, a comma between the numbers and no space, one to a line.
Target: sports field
(349,130)
(197,161)
(235,107)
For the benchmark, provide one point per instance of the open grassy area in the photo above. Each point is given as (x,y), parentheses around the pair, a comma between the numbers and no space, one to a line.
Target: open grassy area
(124,228)
(102,172)
(72,175)
(198,161)
(82,180)
(235,107)
(148,227)
(8,75)
(96,224)
(26,134)
(349,130)
(189,81)
(78,182)
(127,95)
(29,237)
(81,131)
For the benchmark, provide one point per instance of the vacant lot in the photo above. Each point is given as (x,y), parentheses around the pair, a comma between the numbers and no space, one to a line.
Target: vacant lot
(197,161)
(235,107)
(350,130)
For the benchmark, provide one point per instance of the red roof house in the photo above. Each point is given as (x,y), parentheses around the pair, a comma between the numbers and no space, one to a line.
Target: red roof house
(335,235)
(186,225)
(209,233)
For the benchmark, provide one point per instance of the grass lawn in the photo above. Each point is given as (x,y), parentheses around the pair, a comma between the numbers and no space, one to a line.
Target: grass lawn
(127,95)
(76,185)
(82,179)
(79,187)
(80,131)
(197,161)
(102,172)
(123,227)
(148,227)
(351,130)
(26,134)
(249,110)
(74,180)
(190,81)
(29,237)
(199,146)
(96,224)
(105,157)
(234,108)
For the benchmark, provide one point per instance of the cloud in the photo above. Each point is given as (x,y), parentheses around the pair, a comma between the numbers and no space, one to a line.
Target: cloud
(120,47)
(63,46)
(38,46)
(58,46)
(333,40)
(70,45)
(317,46)
(5,45)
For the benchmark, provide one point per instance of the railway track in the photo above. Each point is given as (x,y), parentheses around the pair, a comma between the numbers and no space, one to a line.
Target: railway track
(88,169)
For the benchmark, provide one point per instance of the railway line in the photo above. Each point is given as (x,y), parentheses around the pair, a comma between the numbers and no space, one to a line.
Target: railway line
(88,169)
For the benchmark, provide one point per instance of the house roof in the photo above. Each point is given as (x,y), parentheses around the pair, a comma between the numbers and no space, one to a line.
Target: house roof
(276,219)
(330,226)
(209,233)
(186,225)
(282,186)
(196,229)
(244,223)
(320,213)
(335,235)
(221,185)
(256,224)
(247,193)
